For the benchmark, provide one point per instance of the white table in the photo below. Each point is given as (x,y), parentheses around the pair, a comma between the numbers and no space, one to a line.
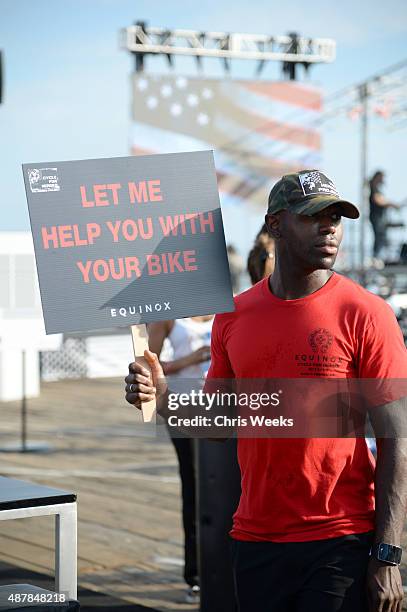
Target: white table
(20,499)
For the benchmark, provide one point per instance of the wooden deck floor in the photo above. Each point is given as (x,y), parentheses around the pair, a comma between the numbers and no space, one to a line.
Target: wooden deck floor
(126,478)
(129,521)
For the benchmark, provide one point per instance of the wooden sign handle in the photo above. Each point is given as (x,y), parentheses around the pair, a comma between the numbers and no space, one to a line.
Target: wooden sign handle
(140,344)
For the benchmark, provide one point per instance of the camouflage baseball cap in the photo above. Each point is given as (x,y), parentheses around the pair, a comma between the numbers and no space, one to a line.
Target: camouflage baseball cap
(306,193)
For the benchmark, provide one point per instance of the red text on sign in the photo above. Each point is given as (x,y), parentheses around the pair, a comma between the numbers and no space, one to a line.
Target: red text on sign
(101,195)
(188,222)
(101,270)
(130,229)
(145,191)
(168,263)
(63,236)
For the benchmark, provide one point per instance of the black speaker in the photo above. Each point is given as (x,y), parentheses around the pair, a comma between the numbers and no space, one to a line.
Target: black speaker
(218,497)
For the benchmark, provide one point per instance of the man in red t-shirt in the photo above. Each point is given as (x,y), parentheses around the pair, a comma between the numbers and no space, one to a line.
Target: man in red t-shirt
(311,508)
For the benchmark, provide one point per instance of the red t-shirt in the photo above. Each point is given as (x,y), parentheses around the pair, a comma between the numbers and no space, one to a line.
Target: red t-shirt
(297,490)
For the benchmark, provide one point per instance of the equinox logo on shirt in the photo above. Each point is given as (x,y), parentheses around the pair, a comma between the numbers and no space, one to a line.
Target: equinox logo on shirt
(320,340)
(321,362)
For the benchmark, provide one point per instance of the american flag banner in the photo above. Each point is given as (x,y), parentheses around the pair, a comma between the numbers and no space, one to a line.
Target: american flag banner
(258,130)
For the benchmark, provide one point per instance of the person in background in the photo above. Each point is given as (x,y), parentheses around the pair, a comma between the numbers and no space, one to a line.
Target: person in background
(236,267)
(378,217)
(189,340)
(261,259)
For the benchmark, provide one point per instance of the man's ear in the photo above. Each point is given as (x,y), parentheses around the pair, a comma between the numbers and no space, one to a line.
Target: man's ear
(273,225)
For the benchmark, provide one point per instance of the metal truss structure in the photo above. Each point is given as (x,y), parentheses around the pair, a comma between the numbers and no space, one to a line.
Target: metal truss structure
(289,48)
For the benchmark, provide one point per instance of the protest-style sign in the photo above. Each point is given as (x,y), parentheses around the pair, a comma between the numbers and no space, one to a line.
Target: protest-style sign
(127,240)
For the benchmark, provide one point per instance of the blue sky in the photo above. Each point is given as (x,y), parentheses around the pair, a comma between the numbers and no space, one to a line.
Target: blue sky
(67,89)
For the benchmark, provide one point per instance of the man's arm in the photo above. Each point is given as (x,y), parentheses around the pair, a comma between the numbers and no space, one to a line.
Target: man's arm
(384,581)
(390,427)
(382,367)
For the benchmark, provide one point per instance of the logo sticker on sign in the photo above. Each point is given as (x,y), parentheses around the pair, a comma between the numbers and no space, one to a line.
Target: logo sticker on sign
(316,183)
(43,179)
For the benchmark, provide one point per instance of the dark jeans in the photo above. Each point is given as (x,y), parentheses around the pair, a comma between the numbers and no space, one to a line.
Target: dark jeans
(379,225)
(319,576)
(186,460)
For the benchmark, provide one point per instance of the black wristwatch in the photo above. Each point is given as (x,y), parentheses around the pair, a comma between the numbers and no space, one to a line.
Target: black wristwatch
(387,553)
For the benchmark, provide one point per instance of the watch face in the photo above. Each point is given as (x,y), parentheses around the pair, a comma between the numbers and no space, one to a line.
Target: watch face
(389,553)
